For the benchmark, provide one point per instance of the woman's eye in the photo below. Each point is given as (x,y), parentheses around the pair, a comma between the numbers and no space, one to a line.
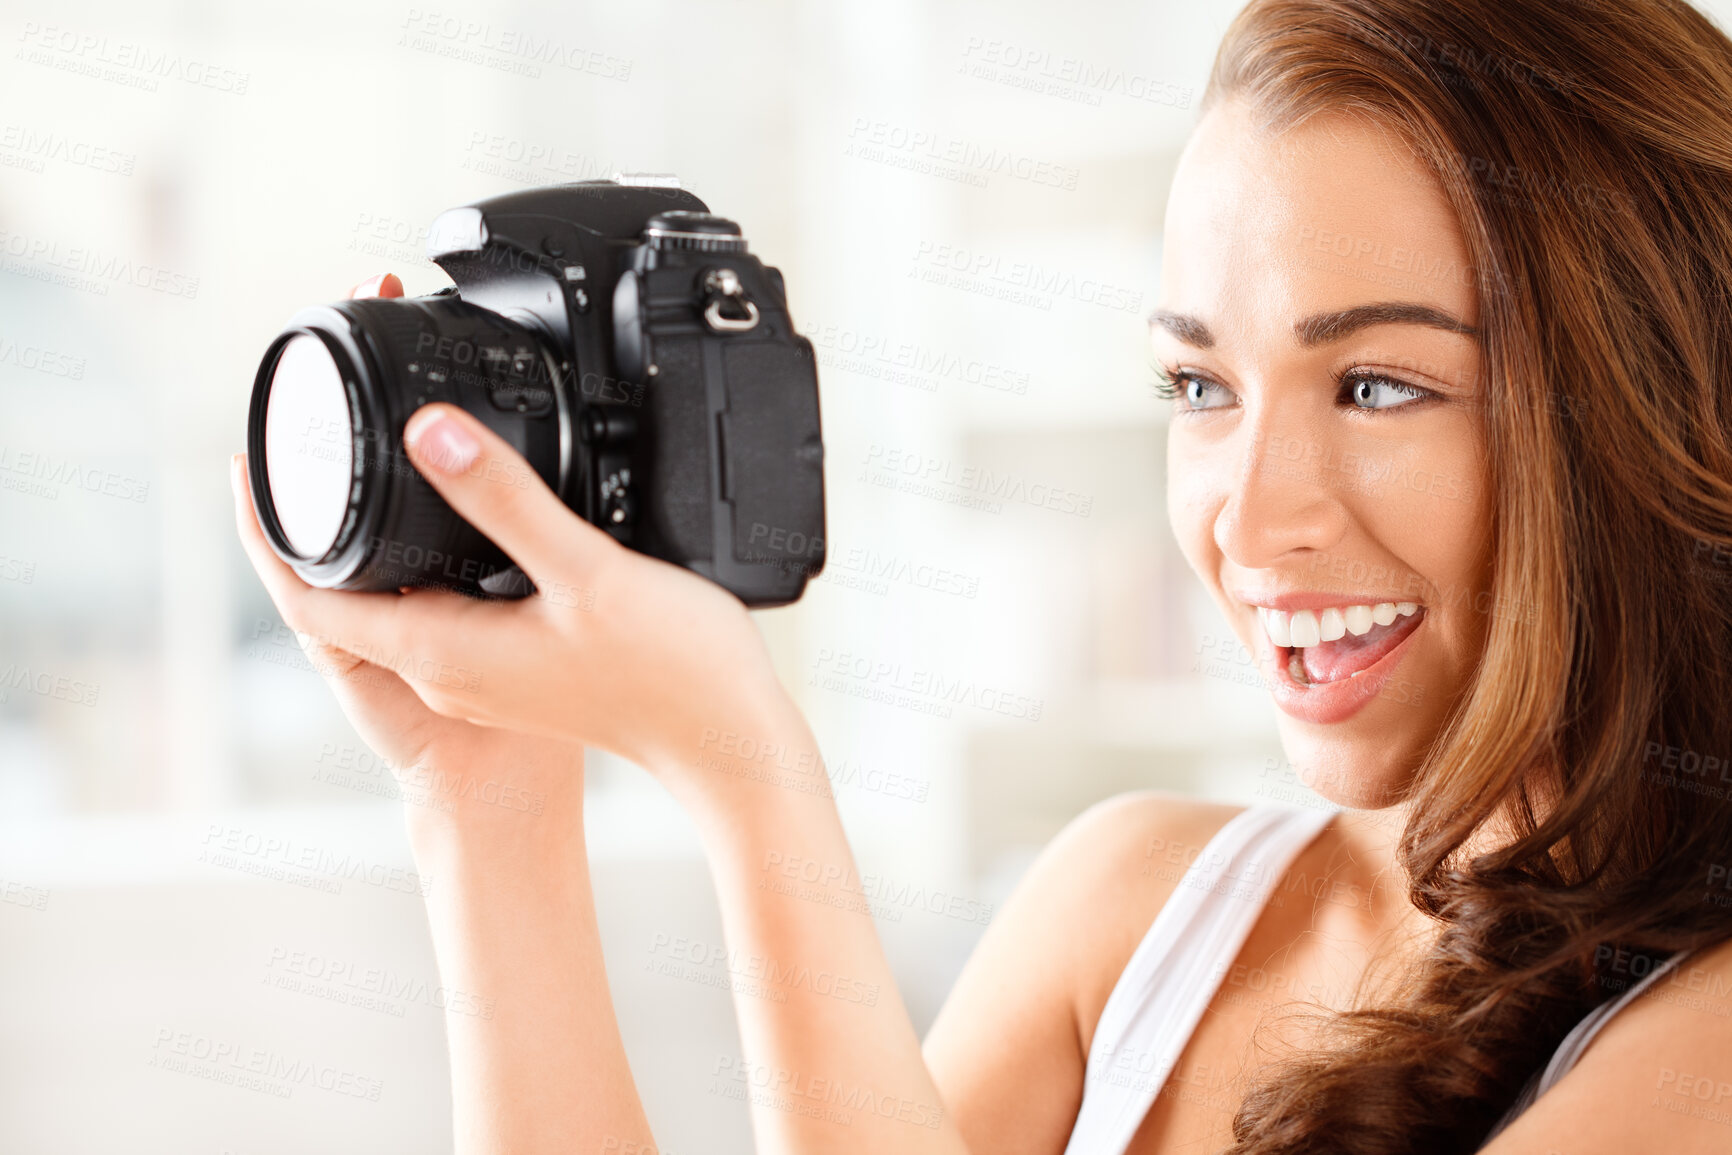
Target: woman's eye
(1198,392)
(1372,392)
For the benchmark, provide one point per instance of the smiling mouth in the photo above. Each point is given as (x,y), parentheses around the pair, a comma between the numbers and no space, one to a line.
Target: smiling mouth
(1341,642)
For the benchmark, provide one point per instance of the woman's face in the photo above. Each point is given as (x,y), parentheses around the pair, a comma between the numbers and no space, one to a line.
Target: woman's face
(1326,468)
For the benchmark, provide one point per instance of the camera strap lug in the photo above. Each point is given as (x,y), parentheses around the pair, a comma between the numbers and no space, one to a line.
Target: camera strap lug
(723,285)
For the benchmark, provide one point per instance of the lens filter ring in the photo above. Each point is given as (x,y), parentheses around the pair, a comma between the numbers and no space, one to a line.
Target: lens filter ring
(317,530)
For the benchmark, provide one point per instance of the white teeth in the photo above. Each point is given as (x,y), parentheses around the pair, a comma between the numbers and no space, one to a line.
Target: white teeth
(1310,627)
(1275,624)
(1331,625)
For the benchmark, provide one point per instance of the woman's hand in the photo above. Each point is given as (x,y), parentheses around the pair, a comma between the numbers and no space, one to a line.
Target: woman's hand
(630,654)
(443,765)
(616,649)
(496,823)
(620,651)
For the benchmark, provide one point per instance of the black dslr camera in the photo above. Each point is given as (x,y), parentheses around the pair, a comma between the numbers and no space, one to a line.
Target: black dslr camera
(617,335)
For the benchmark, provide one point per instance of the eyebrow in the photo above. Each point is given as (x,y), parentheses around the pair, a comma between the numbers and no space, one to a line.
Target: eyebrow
(1324,328)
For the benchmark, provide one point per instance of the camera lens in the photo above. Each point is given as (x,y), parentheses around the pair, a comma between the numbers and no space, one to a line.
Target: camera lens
(337,496)
(309,445)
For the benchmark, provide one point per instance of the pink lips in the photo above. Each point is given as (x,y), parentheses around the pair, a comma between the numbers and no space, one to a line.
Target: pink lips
(1336,701)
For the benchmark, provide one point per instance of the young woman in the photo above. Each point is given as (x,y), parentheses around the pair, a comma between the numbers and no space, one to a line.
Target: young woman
(1447,322)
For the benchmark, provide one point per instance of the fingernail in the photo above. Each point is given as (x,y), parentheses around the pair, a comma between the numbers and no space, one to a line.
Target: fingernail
(369,288)
(440,442)
(235,473)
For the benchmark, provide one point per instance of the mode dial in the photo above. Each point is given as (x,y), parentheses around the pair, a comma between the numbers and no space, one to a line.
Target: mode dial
(701,232)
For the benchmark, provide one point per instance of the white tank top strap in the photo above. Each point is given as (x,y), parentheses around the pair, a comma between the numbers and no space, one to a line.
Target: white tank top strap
(1178,966)
(1570,1050)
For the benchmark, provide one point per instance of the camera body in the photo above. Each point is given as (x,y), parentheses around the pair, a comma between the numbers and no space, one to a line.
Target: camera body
(616,334)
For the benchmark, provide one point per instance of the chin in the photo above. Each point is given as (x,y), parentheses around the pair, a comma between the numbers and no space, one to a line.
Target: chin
(1362,771)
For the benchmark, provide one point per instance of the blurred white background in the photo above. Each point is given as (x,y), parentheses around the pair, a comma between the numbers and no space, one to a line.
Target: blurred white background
(966,200)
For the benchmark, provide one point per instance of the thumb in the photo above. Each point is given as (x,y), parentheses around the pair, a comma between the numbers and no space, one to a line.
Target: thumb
(493,488)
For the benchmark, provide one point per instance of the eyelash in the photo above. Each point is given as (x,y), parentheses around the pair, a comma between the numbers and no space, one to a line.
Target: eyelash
(1170,383)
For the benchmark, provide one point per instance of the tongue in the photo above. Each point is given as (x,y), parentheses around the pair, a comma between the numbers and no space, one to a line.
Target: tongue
(1342,658)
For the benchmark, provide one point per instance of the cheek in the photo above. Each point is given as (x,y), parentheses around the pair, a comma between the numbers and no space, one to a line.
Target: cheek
(1428,504)
(1193,497)
(1431,517)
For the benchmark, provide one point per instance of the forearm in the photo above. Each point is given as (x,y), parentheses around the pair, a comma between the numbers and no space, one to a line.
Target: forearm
(830,1061)
(540,1067)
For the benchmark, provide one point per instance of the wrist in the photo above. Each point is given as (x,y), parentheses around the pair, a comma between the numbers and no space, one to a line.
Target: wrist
(533,808)
(482,846)
(760,755)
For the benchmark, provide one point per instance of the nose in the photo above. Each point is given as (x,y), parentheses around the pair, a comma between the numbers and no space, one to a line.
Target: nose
(1281,499)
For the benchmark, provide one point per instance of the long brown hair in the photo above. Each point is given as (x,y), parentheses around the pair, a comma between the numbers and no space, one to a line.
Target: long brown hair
(1586,146)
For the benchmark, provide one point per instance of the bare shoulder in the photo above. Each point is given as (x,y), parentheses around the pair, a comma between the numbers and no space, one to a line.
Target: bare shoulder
(1685,1013)
(1103,880)
(1009,1049)
(1117,861)
(1658,1075)
(1089,897)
